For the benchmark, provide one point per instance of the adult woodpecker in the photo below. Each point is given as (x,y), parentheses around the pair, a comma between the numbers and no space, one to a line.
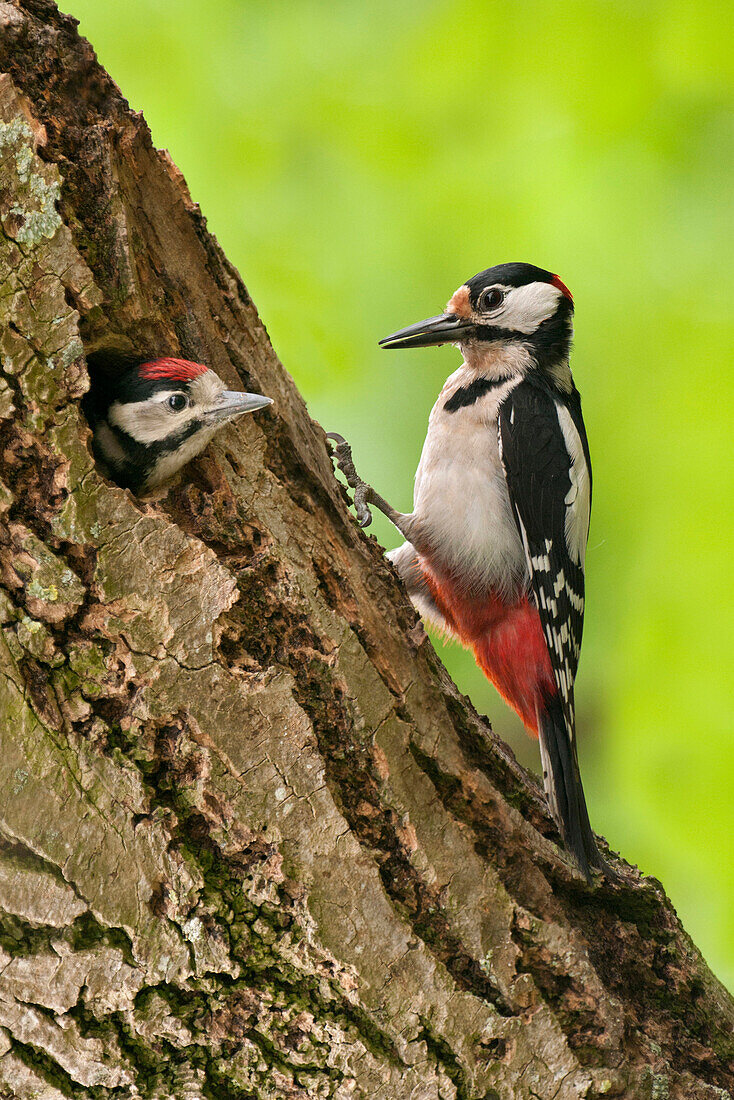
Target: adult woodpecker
(497,538)
(151,418)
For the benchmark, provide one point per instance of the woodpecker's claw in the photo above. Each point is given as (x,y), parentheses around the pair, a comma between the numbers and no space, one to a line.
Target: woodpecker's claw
(361,496)
(362,491)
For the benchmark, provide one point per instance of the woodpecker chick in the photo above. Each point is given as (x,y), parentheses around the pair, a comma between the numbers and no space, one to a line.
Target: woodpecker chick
(497,538)
(151,419)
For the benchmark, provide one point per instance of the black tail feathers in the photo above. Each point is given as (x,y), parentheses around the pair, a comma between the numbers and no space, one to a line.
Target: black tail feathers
(563,789)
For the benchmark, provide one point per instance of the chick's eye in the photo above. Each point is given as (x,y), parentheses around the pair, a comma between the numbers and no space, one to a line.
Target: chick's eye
(490,298)
(177,402)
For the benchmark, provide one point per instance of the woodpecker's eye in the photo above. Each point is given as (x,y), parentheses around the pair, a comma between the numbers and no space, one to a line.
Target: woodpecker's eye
(490,298)
(177,402)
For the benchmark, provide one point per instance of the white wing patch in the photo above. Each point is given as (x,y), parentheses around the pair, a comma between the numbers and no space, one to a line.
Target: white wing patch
(578,498)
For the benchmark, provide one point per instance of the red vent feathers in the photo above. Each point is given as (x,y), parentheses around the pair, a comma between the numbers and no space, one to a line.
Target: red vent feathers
(563,288)
(178,370)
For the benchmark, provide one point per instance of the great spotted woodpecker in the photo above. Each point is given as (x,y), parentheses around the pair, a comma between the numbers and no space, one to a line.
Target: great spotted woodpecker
(497,539)
(149,419)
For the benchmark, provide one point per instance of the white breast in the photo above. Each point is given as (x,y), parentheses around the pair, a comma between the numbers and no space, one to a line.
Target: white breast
(461,498)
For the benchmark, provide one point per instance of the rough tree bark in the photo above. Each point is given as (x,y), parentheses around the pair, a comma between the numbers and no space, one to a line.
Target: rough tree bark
(252,841)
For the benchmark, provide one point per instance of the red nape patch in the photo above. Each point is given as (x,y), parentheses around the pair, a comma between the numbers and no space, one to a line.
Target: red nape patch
(179,370)
(563,288)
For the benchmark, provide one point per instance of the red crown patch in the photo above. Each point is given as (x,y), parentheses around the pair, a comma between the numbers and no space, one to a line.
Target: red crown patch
(178,370)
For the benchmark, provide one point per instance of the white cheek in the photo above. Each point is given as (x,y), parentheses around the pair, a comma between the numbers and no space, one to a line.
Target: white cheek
(148,421)
(526,307)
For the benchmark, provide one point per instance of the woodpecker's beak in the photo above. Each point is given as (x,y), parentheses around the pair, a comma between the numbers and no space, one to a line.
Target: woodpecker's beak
(448,328)
(232,403)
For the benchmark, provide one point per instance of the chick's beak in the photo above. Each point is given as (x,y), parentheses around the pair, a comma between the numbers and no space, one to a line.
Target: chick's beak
(447,328)
(232,403)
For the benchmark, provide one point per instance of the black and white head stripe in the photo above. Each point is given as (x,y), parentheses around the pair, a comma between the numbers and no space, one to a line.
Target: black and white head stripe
(507,304)
(545,457)
(518,297)
(510,276)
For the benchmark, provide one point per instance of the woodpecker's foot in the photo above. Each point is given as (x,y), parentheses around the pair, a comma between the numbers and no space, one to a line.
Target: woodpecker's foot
(362,491)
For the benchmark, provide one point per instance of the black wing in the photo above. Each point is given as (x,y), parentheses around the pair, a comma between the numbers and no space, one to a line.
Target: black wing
(546,462)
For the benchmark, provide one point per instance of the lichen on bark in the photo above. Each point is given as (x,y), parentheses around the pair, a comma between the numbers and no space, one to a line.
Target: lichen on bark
(252,842)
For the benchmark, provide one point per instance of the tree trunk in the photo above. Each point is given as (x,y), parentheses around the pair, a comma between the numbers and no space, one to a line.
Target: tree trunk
(252,841)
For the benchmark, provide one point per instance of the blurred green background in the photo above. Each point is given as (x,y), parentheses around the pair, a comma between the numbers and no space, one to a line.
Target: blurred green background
(358,162)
